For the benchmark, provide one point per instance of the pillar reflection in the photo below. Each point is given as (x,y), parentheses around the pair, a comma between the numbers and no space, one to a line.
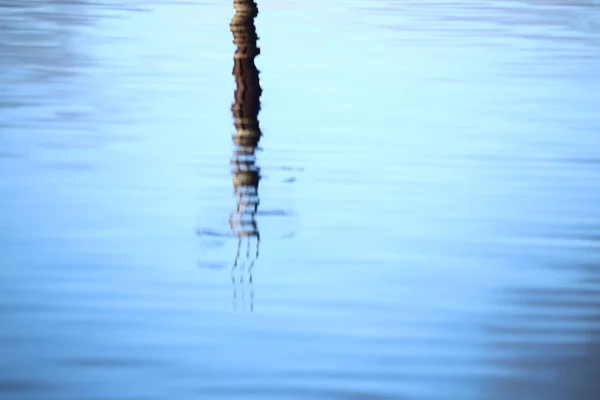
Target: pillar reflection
(245,171)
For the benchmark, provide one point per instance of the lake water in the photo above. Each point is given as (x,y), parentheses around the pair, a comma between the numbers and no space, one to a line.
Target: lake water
(427,223)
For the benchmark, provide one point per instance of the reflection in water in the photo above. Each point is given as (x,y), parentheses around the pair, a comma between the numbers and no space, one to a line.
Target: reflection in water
(468,270)
(245,172)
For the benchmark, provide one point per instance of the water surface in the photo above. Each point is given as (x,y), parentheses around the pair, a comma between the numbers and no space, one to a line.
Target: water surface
(427,211)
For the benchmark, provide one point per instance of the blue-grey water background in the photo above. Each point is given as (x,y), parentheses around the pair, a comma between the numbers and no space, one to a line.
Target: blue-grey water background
(429,217)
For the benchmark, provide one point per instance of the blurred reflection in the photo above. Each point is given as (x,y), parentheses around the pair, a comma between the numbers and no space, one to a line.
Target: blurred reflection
(41,57)
(559,338)
(245,171)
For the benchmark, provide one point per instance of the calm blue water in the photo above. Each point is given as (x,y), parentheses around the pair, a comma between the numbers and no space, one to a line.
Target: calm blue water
(429,209)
